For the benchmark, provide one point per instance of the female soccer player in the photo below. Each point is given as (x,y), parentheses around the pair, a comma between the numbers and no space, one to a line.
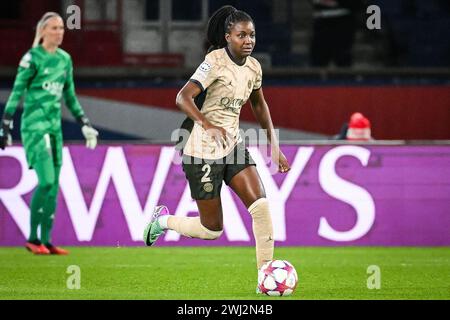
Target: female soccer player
(214,150)
(45,74)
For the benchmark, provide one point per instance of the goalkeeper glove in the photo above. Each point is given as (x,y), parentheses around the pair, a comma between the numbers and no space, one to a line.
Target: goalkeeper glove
(89,133)
(5,131)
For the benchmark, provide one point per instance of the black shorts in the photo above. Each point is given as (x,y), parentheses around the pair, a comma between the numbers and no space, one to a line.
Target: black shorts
(205,176)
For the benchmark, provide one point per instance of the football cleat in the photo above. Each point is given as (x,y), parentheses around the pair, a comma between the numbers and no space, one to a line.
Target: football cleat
(258,290)
(34,248)
(153,229)
(56,250)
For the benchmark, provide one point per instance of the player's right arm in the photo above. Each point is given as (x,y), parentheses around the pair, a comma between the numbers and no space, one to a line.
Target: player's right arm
(185,101)
(203,77)
(25,73)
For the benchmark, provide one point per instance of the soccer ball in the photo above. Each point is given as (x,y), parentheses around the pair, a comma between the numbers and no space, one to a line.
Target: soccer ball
(277,278)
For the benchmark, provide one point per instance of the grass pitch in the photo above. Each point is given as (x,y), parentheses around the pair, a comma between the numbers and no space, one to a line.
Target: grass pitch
(223,273)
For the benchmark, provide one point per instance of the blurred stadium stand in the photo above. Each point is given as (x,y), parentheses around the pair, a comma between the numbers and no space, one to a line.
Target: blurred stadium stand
(418,31)
(126,32)
(136,54)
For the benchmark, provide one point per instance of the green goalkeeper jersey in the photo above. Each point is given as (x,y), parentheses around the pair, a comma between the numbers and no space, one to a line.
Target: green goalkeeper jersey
(44,78)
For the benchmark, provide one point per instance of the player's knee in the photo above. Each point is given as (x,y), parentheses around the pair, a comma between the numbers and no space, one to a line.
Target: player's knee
(45,185)
(211,234)
(53,192)
(259,208)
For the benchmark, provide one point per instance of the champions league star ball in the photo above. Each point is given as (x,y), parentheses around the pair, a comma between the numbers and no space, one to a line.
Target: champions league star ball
(277,278)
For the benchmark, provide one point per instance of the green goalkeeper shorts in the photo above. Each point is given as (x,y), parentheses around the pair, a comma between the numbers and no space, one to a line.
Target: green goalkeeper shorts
(40,146)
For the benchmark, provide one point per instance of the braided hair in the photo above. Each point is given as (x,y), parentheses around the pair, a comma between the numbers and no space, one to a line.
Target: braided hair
(221,23)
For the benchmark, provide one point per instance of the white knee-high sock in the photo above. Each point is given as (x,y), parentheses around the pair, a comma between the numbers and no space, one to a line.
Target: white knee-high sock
(192,228)
(262,230)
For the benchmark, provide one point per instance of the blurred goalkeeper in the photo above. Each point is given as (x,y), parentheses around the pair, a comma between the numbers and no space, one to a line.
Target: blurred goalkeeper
(45,74)
(214,150)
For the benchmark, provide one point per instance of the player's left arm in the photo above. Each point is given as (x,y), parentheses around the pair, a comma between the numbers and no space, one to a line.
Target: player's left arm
(262,114)
(89,133)
(69,93)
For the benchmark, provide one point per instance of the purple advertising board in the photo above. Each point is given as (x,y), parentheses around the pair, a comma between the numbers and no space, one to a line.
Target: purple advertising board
(335,195)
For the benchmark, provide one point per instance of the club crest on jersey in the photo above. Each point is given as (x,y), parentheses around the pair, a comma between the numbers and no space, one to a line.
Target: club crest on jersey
(208,187)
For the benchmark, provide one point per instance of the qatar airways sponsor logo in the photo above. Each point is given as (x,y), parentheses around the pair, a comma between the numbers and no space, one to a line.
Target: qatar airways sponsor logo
(232,104)
(54,88)
(115,170)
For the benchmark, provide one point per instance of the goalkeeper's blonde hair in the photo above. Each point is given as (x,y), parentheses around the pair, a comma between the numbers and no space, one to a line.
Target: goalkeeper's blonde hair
(40,26)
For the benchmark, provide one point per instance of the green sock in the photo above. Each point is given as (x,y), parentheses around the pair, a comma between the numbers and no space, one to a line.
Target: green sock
(37,210)
(49,209)
(47,220)
(46,229)
(44,199)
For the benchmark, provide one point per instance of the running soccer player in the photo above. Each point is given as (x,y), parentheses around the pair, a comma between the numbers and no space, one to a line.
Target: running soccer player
(214,150)
(44,76)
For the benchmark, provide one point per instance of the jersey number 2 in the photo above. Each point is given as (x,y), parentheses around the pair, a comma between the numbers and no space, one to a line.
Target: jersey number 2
(206,177)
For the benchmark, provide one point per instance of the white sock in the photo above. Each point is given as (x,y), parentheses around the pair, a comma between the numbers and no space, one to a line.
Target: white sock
(163,221)
(192,227)
(262,230)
